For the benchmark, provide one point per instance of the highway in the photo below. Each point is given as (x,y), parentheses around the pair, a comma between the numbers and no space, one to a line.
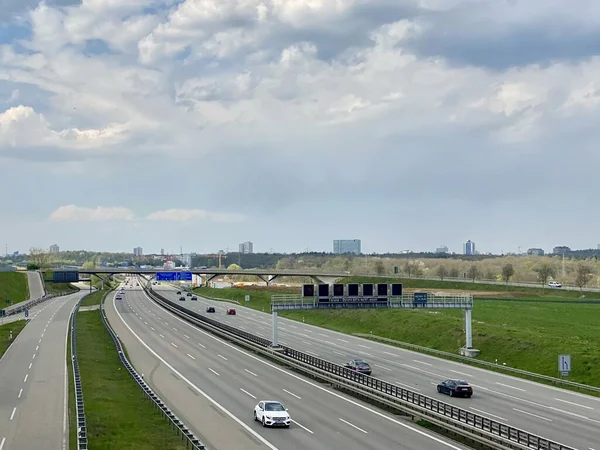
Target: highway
(565,416)
(33,376)
(236,380)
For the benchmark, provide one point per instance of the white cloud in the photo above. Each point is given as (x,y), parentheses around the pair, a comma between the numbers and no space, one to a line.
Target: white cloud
(185,215)
(73,213)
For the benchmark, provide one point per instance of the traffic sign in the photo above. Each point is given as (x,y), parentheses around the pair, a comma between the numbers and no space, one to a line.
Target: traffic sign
(420,298)
(247,297)
(564,364)
(173,276)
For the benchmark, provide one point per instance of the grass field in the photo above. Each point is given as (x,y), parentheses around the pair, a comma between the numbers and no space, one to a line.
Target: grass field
(528,336)
(57,288)
(118,415)
(13,287)
(5,330)
(94,298)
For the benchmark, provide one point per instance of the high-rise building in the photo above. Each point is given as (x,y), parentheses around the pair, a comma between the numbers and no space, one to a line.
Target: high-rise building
(162,252)
(535,251)
(443,249)
(186,259)
(54,249)
(343,246)
(469,248)
(246,247)
(561,249)
(137,251)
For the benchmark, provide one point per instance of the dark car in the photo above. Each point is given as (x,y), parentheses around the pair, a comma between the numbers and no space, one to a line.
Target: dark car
(359,365)
(231,312)
(210,309)
(455,388)
(178,292)
(189,294)
(194,297)
(182,298)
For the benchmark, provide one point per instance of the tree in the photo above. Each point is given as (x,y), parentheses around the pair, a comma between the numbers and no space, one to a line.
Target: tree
(442,272)
(408,268)
(507,272)
(584,275)
(40,258)
(454,273)
(233,267)
(544,272)
(473,272)
(379,268)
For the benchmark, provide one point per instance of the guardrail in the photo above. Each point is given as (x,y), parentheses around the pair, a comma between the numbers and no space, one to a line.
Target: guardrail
(191,441)
(20,307)
(473,361)
(492,433)
(82,441)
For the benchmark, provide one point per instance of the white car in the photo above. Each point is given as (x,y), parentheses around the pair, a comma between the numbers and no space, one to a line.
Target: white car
(554,284)
(272,413)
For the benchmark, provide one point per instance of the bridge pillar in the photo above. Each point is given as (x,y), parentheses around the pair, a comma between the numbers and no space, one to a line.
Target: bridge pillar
(468,349)
(275,342)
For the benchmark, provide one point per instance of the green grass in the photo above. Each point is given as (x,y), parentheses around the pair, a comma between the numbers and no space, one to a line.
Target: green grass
(260,297)
(94,298)
(57,288)
(5,330)
(118,415)
(13,287)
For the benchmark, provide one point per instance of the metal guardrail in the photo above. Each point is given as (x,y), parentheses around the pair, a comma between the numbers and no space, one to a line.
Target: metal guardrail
(20,307)
(82,441)
(497,434)
(473,361)
(191,441)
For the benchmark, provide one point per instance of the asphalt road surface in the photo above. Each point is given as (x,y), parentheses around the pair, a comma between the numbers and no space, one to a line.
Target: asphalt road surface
(33,376)
(236,380)
(36,287)
(565,416)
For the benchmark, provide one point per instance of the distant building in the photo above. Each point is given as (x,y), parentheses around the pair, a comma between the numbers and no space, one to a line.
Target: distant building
(469,248)
(137,251)
(169,265)
(246,247)
(559,250)
(186,260)
(343,246)
(535,252)
(54,249)
(443,249)
(162,251)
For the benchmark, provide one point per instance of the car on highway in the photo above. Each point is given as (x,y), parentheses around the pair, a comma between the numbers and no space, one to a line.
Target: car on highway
(455,388)
(358,365)
(555,284)
(210,309)
(178,292)
(230,311)
(182,298)
(189,294)
(194,297)
(272,413)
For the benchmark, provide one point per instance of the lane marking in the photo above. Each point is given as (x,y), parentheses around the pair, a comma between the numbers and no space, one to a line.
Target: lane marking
(30,364)
(381,367)
(292,394)
(247,393)
(145,322)
(185,335)
(279,369)
(338,353)
(174,345)
(2,443)
(20,393)
(190,356)
(408,387)
(221,356)
(342,340)
(392,354)
(12,415)
(352,425)
(462,373)
(251,373)
(25,379)
(292,420)
(364,346)
(424,371)
(509,386)
(531,414)
(175,329)
(322,334)
(489,414)
(161,335)
(152,328)
(422,362)
(216,373)
(311,353)
(574,404)
(203,346)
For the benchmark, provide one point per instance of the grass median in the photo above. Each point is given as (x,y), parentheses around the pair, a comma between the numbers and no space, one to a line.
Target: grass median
(528,336)
(118,415)
(94,298)
(13,287)
(5,331)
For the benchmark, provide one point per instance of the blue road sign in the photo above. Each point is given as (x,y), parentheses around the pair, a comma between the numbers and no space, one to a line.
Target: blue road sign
(173,276)
(420,298)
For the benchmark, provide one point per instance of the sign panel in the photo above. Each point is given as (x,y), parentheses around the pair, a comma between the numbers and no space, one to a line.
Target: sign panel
(396,289)
(353,290)
(420,298)
(382,290)
(564,364)
(308,290)
(338,290)
(173,276)
(367,290)
(323,290)
(65,276)
(247,297)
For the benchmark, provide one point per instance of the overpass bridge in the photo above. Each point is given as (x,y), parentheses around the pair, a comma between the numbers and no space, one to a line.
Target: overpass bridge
(266,275)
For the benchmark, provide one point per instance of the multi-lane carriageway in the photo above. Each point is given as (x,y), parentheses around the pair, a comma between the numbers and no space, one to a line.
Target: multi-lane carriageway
(565,416)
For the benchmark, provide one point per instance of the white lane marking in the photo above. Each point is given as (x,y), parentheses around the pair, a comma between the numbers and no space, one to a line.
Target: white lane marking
(422,370)
(461,373)
(152,328)
(2,443)
(323,334)
(533,415)
(251,373)
(190,356)
(12,415)
(25,379)
(382,367)
(161,335)
(203,346)
(42,335)
(303,335)
(509,386)
(422,362)
(37,347)
(222,357)
(408,387)
(30,364)
(145,322)
(338,353)
(489,414)
(574,404)
(20,393)
(292,394)
(294,376)
(174,345)
(342,340)
(186,336)
(352,425)
(365,353)
(306,343)
(247,393)
(216,373)
(174,329)
(300,425)
(311,353)
(364,346)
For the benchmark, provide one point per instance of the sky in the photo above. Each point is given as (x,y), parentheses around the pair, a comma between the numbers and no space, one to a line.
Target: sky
(200,124)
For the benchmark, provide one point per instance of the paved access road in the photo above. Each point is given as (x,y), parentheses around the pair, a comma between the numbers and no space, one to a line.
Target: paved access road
(33,376)
(36,287)
(568,417)
(236,380)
